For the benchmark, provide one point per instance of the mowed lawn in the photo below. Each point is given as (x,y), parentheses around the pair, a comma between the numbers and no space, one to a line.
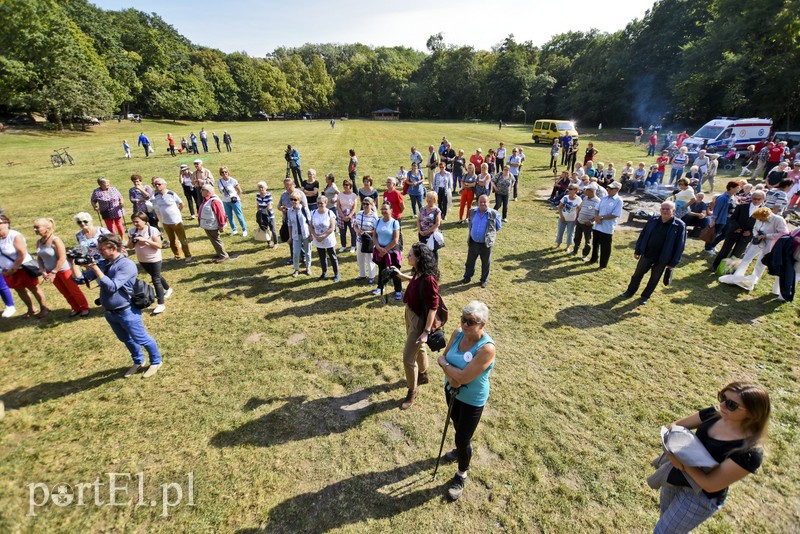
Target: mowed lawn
(280,396)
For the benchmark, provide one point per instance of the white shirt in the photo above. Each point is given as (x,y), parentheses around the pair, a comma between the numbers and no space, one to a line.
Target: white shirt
(322,222)
(501,153)
(227,188)
(7,246)
(167,207)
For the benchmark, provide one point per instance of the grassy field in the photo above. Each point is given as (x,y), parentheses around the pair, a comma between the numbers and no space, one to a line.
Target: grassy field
(280,396)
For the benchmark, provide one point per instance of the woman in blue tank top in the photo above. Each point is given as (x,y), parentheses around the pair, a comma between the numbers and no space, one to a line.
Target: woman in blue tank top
(467,362)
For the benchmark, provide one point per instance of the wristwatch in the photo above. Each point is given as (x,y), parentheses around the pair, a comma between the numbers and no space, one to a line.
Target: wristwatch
(428,331)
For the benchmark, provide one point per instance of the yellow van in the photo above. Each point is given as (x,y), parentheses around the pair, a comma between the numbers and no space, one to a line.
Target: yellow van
(545,130)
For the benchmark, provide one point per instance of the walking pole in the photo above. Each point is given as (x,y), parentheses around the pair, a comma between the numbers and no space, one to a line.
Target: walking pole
(453,393)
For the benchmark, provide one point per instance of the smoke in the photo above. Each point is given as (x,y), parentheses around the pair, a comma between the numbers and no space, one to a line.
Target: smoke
(649,104)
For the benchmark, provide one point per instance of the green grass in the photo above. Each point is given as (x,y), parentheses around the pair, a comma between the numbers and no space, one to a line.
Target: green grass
(280,395)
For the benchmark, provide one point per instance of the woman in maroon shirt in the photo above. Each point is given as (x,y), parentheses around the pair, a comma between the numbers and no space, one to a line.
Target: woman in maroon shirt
(422,301)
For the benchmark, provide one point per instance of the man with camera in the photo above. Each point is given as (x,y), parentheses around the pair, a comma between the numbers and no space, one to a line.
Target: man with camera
(116,277)
(292,158)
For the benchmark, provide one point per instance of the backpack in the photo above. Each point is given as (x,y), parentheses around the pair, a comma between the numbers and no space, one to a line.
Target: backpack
(143,294)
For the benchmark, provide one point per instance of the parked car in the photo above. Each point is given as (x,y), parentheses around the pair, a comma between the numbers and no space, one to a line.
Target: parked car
(21,120)
(792,138)
(545,130)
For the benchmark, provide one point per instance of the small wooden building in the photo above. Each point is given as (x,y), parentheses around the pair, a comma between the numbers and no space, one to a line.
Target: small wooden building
(386,114)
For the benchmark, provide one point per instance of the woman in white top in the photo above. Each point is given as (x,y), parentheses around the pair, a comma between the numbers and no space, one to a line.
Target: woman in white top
(567,213)
(147,242)
(13,253)
(323,232)
(88,234)
(346,210)
(231,196)
(52,257)
(768,228)
(364,223)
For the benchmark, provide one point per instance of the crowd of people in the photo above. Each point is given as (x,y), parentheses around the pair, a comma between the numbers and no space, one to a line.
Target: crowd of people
(586,196)
(186,146)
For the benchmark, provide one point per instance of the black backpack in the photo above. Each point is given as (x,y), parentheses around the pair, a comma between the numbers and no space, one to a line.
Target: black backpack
(143,294)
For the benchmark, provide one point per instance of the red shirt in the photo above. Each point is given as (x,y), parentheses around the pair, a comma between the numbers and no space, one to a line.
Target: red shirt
(395,198)
(476,160)
(662,163)
(681,138)
(775,154)
(422,294)
(653,139)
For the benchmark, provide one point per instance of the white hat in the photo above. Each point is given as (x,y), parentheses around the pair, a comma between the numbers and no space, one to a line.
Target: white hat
(184,166)
(613,185)
(198,161)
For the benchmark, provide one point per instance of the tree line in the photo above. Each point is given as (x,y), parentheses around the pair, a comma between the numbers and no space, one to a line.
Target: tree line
(684,61)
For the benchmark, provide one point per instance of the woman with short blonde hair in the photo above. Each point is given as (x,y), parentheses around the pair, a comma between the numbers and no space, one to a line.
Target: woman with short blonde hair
(52,256)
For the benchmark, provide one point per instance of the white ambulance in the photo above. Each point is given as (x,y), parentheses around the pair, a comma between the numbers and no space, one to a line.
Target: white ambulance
(724,133)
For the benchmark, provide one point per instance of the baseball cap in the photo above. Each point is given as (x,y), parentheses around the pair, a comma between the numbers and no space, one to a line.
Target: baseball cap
(184,166)
(198,161)
(613,185)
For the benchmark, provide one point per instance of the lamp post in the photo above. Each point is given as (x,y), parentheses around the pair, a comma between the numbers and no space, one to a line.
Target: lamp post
(525,114)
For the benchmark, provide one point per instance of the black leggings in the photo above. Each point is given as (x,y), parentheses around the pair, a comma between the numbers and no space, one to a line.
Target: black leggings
(160,285)
(343,233)
(465,420)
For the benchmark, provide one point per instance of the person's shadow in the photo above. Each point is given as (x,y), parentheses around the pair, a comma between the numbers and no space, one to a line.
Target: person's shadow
(22,397)
(588,316)
(297,418)
(363,497)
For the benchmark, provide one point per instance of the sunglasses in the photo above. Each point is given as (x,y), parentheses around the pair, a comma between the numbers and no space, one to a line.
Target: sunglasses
(731,405)
(469,322)
(295,200)
(82,222)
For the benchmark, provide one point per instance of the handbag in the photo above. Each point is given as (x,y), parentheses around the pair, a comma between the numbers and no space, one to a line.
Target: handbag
(31,267)
(668,276)
(367,243)
(262,235)
(284,232)
(708,234)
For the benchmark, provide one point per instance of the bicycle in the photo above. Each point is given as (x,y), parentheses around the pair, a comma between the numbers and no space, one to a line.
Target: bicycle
(61,157)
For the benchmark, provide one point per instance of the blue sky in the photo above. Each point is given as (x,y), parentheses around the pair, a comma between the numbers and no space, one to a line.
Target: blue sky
(258,27)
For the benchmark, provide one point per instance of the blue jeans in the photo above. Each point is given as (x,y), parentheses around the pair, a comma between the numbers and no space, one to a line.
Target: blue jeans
(205,144)
(659,176)
(416,201)
(501,200)
(129,328)
(301,246)
(569,226)
(232,208)
(675,175)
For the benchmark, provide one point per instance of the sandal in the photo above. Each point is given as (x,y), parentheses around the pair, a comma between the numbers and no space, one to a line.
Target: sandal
(74,313)
(43,313)
(28,314)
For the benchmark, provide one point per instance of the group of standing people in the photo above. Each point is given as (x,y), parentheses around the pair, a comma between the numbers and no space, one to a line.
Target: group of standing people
(186,146)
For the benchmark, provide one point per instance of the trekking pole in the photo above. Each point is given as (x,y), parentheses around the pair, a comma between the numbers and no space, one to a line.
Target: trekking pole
(453,394)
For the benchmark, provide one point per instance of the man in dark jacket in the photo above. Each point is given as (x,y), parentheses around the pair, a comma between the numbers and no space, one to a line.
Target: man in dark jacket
(740,229)
(660,245)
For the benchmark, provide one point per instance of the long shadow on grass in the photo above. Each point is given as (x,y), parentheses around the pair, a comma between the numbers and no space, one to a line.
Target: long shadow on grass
(729,304)
(378,495)
(22,397)
(298,419)
(604,314)
(545,265)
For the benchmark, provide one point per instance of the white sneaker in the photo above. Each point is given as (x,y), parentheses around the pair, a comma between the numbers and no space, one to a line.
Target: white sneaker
(9,311)
(235,232)
(244,234)
(352,249)
(168,294)
(132,371)
(151,370)
(159,309)
(341,250)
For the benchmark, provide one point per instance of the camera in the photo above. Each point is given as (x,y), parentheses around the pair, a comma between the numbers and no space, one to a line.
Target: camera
(234,199)
(81,255)
(288,155)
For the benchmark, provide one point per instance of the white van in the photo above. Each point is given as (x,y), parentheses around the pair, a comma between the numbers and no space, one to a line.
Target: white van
(724,133)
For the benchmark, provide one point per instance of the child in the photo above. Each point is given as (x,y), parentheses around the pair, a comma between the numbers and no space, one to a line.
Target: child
(265,216)
(127,148)
(402,174)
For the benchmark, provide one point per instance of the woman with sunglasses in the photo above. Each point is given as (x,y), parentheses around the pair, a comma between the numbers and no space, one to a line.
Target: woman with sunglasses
(422,302)
(346,209)
(731,434)
(88,234)
(13,253)
(467,362)
(52,257)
